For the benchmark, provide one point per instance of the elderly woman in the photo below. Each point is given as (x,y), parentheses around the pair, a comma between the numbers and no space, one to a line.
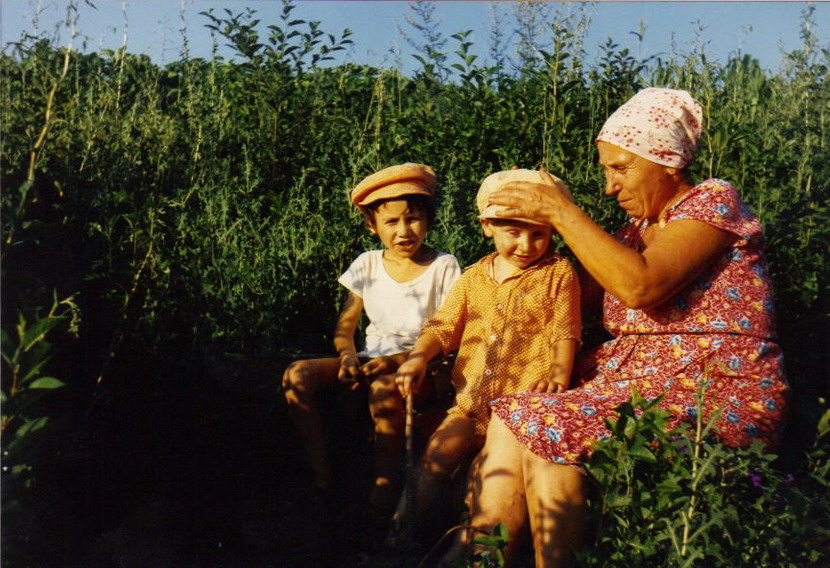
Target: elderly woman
(687,300)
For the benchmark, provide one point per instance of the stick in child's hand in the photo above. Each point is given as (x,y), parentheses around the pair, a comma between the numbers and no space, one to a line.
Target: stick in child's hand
(410,466)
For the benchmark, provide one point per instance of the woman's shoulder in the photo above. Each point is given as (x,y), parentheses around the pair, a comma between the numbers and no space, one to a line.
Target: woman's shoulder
(716,202)
(715,185)
(713,190)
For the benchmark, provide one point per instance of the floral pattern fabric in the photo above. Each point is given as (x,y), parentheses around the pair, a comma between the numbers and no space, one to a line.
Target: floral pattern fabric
(716,334)
(661,125)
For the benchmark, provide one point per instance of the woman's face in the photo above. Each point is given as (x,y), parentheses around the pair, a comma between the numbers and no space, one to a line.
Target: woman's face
(642,188)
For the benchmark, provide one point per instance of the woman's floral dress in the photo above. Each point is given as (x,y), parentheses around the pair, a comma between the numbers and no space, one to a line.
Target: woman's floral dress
(716,333)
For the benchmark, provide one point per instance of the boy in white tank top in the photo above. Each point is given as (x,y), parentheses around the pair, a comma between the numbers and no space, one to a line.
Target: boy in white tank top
(399,288)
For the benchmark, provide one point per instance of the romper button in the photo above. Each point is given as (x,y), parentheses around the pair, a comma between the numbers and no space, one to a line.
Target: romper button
(488,372)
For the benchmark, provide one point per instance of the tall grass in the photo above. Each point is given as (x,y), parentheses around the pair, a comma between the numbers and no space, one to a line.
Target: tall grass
(199,210)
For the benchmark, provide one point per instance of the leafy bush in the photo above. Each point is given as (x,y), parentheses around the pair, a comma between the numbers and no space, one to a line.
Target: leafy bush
(30,435)
(679,498)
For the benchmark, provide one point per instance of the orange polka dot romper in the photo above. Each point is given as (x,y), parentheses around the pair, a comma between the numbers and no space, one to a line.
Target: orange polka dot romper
(504,331)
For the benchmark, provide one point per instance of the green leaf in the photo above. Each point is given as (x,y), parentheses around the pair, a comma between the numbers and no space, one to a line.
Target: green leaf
(31,426)
(37,331)
(824,424)
(46,383)
(639,450)
(616,500)
(34,370)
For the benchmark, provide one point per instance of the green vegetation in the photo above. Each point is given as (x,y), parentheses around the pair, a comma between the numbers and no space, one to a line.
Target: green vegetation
(196,215)
(680,499)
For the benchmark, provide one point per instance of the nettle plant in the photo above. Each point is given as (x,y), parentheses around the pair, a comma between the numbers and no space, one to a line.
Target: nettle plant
(680,498)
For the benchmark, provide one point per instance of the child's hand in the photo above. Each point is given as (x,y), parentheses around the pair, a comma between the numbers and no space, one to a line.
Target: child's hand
(382,365)
(410,374)
(349,370)
(548,386)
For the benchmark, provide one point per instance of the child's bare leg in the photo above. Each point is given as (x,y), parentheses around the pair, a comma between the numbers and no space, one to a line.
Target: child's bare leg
(556,503)
(301,382)
(498,491)
(453,441)
(387,409)
(460,547)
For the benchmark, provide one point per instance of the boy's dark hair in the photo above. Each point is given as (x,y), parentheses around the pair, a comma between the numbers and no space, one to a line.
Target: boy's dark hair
(425,203)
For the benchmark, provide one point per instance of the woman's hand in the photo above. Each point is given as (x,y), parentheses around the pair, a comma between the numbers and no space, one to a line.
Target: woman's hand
(538,201)
(671,259)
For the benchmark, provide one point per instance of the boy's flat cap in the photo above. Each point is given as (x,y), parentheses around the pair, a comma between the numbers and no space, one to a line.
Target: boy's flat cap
(395,181)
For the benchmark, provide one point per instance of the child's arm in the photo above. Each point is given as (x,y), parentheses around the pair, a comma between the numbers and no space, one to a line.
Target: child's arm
(344,340)
(560,371)
(412,371)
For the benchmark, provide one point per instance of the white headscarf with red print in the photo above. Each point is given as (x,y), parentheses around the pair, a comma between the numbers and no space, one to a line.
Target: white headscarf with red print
(660,125)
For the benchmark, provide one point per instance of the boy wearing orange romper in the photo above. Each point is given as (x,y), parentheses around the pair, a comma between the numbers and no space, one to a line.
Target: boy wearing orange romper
(514,317)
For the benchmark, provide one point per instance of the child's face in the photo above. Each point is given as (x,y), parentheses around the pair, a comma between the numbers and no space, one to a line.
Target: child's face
(401,230)
(520,244)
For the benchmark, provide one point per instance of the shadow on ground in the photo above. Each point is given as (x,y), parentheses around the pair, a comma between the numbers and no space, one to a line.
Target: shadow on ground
(204,471)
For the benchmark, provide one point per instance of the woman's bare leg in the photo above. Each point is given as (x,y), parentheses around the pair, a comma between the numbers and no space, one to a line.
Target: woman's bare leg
(301,382)
(556,503)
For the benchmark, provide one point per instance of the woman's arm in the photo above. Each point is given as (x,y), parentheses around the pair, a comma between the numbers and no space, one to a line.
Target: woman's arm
(673,258)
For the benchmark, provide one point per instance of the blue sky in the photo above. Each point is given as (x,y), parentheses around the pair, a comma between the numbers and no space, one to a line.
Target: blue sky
(762,29)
